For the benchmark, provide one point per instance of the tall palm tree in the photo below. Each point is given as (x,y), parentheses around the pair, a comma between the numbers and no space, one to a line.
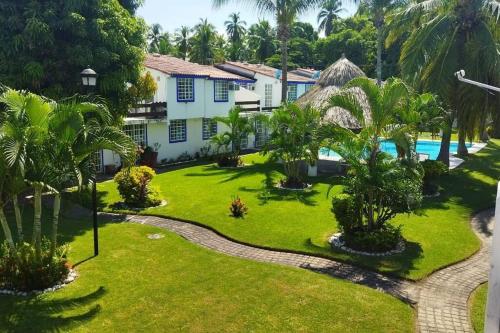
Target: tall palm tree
(202,43)
(446,36)
(285,12)
(235,28)
(154,36)
(330,10)
(262,39)
(181,40)
(378,10)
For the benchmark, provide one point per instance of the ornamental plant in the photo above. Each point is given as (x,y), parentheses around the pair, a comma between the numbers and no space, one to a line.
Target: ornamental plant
(237,208)
(135,189)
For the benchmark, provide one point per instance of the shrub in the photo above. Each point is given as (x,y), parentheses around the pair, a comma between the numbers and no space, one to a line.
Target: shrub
(135,189)
(380,240)
(238,208)
(229,161)
(346,212)
(432,171)
(22,271)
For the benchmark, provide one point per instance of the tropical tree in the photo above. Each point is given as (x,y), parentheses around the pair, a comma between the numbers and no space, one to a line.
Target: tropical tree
(446,36)
(48,146)
(154,36)
(293,140)
(262,39)
(202,43)
(181,40)
(238,126)
(50,44)
(235,29)
(330,10)
(285,12)
(380,186)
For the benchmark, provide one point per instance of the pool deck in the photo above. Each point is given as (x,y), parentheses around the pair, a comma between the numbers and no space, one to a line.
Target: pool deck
(454,161)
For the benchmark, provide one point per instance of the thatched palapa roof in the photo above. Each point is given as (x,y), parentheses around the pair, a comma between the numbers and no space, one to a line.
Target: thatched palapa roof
(331,81)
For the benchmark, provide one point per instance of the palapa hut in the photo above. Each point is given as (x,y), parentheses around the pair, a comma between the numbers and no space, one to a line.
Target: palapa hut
(331,81)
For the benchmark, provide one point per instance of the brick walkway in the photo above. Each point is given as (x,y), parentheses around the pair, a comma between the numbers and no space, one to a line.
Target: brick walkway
(441,299)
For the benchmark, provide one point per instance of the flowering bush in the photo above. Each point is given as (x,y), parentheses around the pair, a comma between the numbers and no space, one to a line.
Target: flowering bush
(238,208)
(20,269)
(135,189)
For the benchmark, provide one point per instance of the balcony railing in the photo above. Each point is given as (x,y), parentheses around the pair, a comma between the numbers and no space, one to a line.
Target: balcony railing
(149,110)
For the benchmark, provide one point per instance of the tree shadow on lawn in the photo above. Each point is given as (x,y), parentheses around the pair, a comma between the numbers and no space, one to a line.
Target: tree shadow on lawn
(395,265)
(39,314)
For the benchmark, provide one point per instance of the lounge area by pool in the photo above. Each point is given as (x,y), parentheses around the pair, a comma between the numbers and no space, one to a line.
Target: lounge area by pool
(425,147)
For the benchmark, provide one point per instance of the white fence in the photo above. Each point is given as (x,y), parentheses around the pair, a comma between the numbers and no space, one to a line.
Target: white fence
(492,321)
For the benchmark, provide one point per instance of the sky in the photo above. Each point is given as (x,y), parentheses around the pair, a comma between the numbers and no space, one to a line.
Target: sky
(172,14)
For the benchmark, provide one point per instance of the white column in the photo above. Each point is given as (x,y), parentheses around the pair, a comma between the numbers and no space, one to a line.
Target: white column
(492,320)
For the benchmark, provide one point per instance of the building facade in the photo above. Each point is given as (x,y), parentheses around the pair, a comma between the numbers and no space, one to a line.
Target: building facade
(188,97)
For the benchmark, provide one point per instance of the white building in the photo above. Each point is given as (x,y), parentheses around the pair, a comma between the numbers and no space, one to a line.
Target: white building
(267,82)
(188,97)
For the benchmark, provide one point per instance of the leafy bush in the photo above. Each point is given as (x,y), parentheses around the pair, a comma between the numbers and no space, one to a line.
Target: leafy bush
(432,171)
(135,189)
(238,208)
(380,240)
(346,212)
(229,161)
(21,270)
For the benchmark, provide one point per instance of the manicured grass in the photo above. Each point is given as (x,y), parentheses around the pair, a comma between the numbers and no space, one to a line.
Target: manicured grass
(477,305)
(137,284)
(439,236)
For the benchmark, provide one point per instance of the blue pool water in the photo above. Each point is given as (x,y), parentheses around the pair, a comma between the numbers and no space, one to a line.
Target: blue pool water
(423,147)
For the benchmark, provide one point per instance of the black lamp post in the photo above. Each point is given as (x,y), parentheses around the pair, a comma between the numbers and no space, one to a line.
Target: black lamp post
(89,80)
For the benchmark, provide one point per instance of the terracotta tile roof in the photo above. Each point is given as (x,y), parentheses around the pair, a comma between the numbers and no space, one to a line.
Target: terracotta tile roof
(269,71)
(174,66)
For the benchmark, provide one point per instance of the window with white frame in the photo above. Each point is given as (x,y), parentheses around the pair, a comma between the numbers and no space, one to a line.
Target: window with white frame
(260,134)
(221,92)
(177,130)
(137,132)
(309,87)
(292,92)
(209,128)
(185,89)
(268,95)
(96,160)
(244,141)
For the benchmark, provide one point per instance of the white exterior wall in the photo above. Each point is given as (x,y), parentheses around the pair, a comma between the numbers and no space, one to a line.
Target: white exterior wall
(260,84)
(203,106)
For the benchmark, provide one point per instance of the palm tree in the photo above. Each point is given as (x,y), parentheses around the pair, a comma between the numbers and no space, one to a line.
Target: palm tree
(165,45)
(378,10)
(262,39)
(238,127)
(446,36)
(330,10)
(202,43)
(362,150)
(78,130)
(181,40)
(235,28)
(285,12)
(154,36)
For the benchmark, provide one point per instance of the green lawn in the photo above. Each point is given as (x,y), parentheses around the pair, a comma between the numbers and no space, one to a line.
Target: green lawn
(302,221)
(477,305)
(137,284)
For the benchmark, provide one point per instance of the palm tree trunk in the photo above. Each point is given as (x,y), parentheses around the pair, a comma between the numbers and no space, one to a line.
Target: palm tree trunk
(6,230)
(462,148)
(444,151)
(55,222)
(37,222)
(380,41)
(19,220)
(284,70)
(496,125)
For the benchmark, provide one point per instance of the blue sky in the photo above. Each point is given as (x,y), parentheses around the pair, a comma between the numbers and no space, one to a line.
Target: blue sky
(171,14)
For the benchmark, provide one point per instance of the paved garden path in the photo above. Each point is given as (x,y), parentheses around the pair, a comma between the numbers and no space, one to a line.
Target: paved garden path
(441,299)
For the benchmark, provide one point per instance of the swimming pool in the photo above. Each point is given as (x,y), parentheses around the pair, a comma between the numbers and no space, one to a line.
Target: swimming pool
(423,147)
